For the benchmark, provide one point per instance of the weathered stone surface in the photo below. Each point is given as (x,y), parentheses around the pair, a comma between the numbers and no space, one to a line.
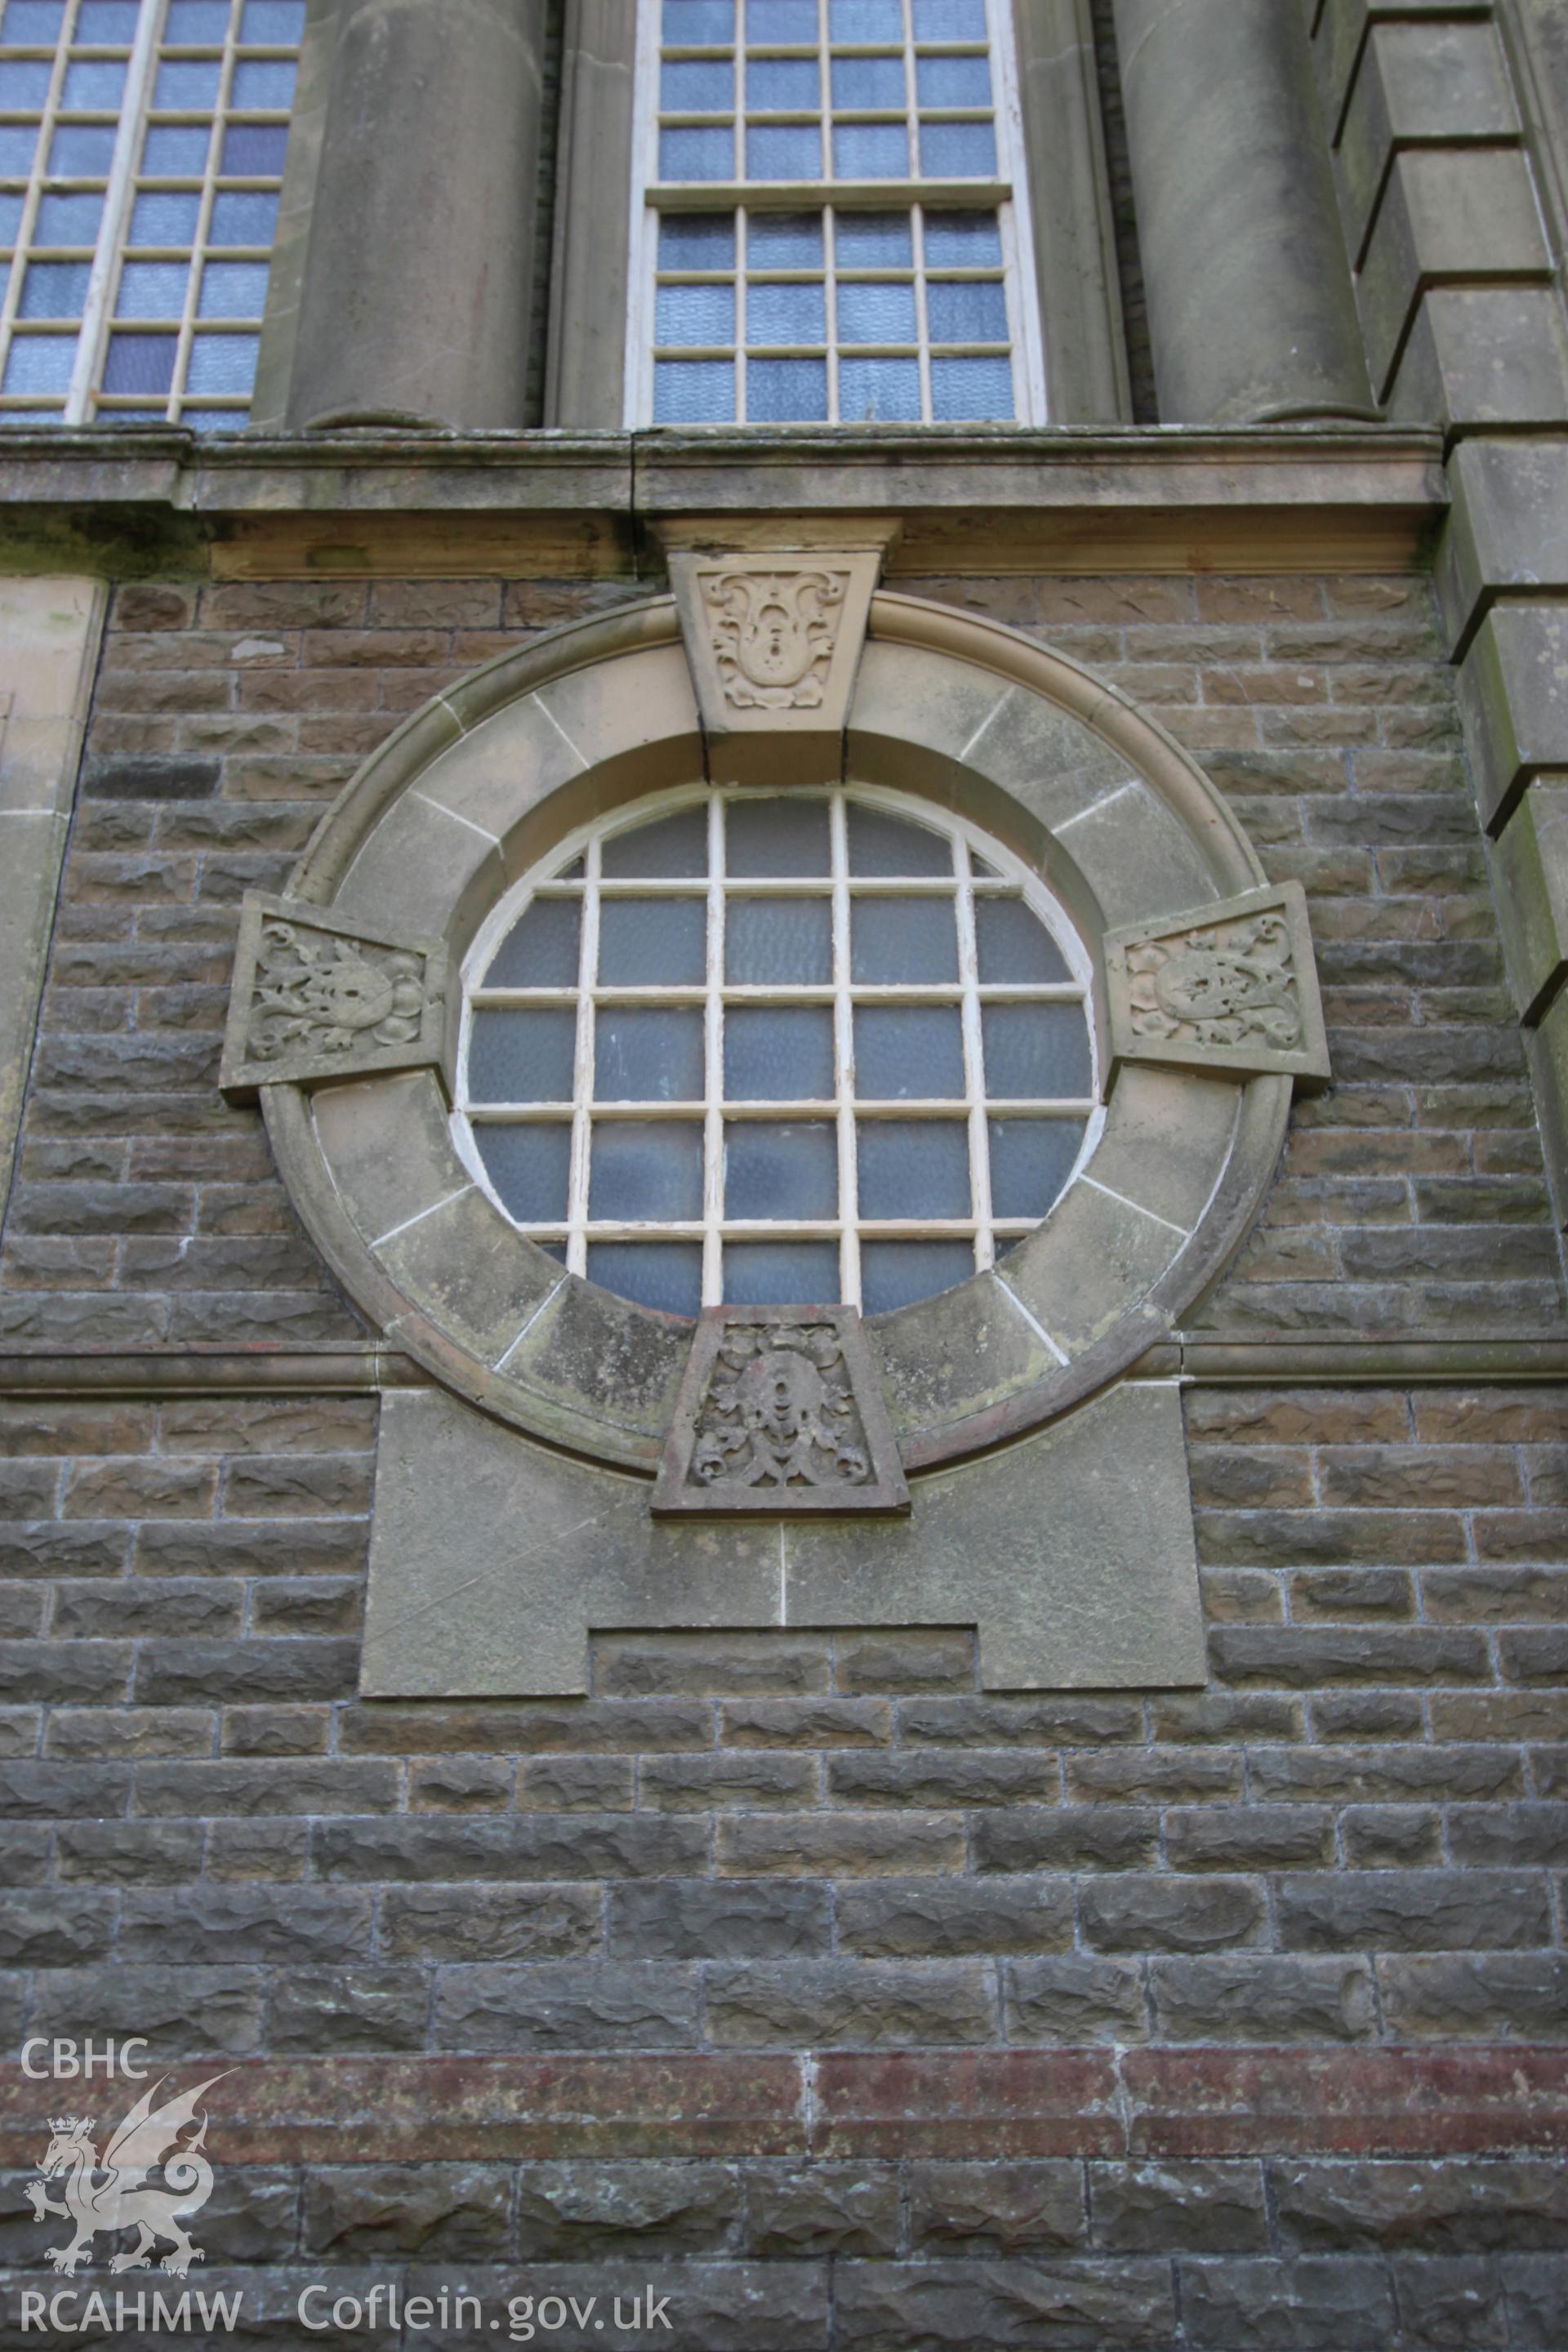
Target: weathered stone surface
(577,2213)
(1007,2209)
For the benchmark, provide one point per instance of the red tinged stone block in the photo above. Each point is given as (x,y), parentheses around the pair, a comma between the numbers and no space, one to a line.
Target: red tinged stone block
(996,2103)
(1365,2101)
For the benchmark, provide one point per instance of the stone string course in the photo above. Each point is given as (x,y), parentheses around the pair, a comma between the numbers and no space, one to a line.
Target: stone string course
(856,2008)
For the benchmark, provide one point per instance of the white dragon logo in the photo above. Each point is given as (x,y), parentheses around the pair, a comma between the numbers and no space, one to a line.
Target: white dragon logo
(118,2201)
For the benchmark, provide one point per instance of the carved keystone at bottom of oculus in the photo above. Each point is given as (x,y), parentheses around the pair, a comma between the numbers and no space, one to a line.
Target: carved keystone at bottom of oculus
(312,1001)
(1230,987)
(780,1413)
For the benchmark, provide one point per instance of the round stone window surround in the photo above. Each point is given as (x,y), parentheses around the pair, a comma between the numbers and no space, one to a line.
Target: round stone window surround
(472,791)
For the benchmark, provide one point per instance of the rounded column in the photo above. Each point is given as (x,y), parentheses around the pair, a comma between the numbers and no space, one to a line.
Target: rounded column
(1251,312)
(418,289)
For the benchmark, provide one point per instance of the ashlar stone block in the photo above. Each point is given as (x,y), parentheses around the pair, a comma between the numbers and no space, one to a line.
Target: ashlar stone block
(1530,870)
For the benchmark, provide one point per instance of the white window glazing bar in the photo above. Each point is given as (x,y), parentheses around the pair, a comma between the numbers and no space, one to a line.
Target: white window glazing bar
(713,1171)
(844,1059)
(582,1066)
(94,338)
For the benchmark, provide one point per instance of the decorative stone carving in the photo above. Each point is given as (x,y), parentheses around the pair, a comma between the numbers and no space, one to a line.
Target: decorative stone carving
(1228,987)
(780,1412)
(772,634)
(312,1001)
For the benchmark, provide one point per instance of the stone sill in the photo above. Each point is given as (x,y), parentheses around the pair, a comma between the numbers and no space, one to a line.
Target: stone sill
(971,500)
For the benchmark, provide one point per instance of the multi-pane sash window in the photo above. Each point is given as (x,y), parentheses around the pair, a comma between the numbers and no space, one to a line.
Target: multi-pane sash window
(142,148)
(829,223)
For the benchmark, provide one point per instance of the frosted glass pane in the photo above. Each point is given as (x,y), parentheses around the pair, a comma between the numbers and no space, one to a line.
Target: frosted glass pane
(784,241)
(785,314)
(106,23)
(254,149)
(642,1170)
(187,84)
(913,1167)
(869,82)
(870,150)
(886,391)
(866,20)
(164,217)
(39,363)
(770,941)
(244,216)
(264,82)
(522,1056)
(214,420)
(958,151)
(777,836)
(529,1166)
(71,220)
(34,22)
(876,314)
(954,81)
(963,241)
(57,289)
(697,86)
(197,20)
(653,939)
(1031,1159)
(1039,1050)
(696,314)
(172,154)
(786,392)
(95,84)
(972,389)
(897,1274)
(139,363)
(694,391)
(234,289)
(697,241)
(874,241)
(781,20)
(1014,944)
(17,147)
(880,844)
(783,150)
(967,311)
(80,150)
(279,22)
(693,22)
(152,289)
(540,950)
(781,1274)
(696,154)
(669,849)
(772,1170)
(904,939)
(665,1274)
(24,84)
(949,20)
(11,221)
(907,1050)
(223,363)
(778,1054)
(646,1055)
(782,84)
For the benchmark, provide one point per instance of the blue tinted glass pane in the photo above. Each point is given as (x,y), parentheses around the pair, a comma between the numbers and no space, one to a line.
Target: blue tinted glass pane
(903,939)
(280,23)
(80,150)
(522,1056)
(866,20)
(1031,1159)
(55,289)
(778,1054)
(870,150)
(17,144)
(954,81)
(874,241)
(640,1170)
(979,390)
(24,84)
(264,82)
(697,86)
(195,20)
(907,1050)
(540,950)
(648,941)
(693,22)
(68,220)
(696,314)
(696,154)
(11,221)
(223,363)
(646,1055)
(234,289)
(1014,944)
(782,84)
(672,848)
(781,1274)
(213,420)
(958,151)
(949,20)
(785,314)
(175,154)
(772,1170)
(777,836)
(254,149)
(880,844)
(784,241)
(39,363)
(94,83)
(152,289)
(790,21)
(971,311)
(887,391)
(244,216)
(528,1166)
(791,150)
(876,314)
(963,241)
(140,363)
(664,1274)
(185,84)
(697,241)
(786,392)
(897,1274)
(694,391)
(110,23)
(33,22)
(913,1167)
(767,940)
(164,217)
(869,81)
(1038,1051)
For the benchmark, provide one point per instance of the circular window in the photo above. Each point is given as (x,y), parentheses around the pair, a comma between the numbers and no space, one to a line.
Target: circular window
(773,1049)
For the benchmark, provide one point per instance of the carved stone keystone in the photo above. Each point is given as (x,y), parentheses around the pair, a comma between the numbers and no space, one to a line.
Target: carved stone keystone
(312,1001)
(1230,987)
(779,1413)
